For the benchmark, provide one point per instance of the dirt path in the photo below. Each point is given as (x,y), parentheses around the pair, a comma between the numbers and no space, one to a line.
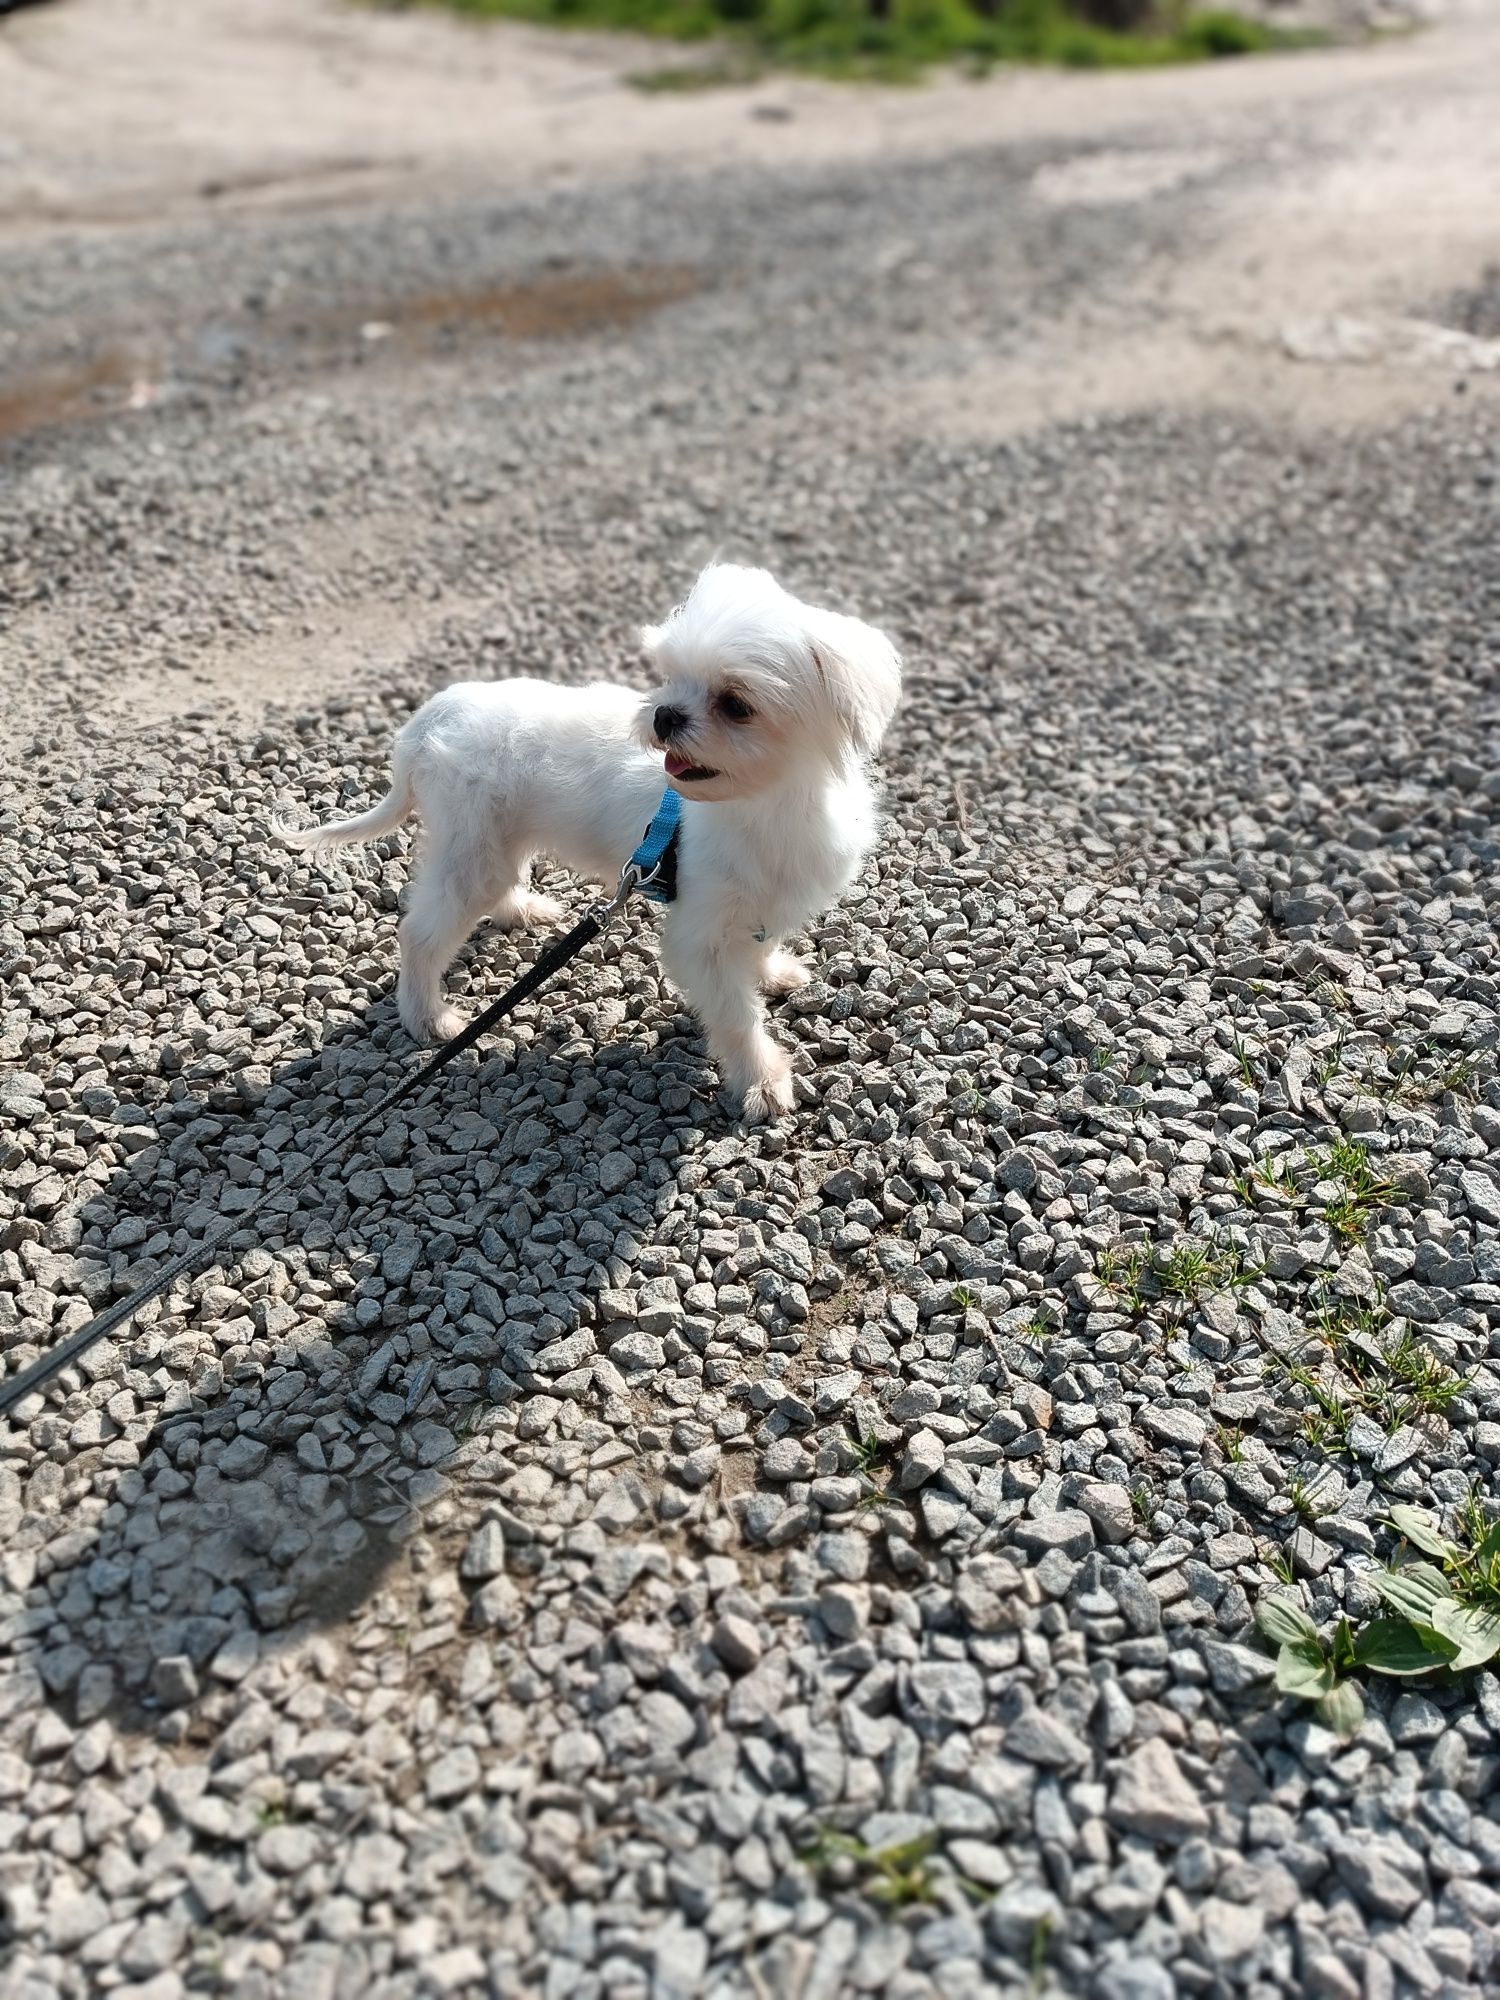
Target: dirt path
(171,106)
(1311,292)
(1329,270)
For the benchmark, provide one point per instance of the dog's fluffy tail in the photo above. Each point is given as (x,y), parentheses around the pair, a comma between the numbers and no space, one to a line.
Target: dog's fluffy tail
(385,817)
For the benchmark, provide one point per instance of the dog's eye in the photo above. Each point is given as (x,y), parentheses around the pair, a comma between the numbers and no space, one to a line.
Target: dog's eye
(733,709)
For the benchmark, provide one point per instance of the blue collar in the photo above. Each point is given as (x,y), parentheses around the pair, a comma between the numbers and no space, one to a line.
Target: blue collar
(656,857)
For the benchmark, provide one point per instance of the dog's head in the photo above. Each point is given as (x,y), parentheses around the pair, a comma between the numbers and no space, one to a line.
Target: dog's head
(758,690)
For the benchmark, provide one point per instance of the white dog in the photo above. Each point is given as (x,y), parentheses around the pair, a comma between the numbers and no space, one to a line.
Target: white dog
(767,711)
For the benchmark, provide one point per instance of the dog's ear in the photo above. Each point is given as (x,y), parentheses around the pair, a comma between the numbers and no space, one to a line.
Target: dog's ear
(861,673)
(651,638)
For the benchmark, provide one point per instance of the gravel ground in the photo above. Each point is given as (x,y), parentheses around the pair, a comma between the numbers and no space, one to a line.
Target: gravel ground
(589,1544)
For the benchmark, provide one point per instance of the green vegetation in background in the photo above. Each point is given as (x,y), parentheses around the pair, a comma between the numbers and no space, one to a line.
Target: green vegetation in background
(893,40)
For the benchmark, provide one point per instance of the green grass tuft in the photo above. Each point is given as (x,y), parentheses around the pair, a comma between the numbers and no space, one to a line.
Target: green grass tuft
(893,41)
(1182,1273)
(897,1877)
(1360,1369)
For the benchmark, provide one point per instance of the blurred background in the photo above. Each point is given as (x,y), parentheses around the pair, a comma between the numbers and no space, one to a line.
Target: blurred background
(1337,154)
(347,346)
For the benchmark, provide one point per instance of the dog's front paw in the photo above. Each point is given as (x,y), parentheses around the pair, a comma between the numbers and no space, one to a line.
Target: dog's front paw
(768,1097)
(784,974)
(441,1025)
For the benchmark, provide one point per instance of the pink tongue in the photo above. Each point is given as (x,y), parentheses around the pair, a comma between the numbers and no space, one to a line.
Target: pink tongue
(676,765)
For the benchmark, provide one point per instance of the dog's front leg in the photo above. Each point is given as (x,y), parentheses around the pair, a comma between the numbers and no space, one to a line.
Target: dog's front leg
(720,979)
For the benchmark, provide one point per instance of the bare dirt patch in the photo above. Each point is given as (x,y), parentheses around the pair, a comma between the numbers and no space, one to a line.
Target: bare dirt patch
(119,375)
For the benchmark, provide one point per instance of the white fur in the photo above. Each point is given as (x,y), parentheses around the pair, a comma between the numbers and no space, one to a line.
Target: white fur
(501,771)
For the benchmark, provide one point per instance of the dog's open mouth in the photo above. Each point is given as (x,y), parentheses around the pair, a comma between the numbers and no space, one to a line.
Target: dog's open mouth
(679,767)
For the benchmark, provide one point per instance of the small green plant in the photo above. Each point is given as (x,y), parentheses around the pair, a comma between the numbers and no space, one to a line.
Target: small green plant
(871,1455)
(1324,1433)
(1311,1669)
(1463,1078)
(1392,1382)
(1430,1386)
(1358,1190)
(896,1877)
(1345,1218)
(1353,1191)
(1143,1502)
(1350,1160)
(1342,1323)
(1433,1628)
(1193,1270)
(1305,1503)
(1439,1630)
(872,1461)
(1330,1410)
(1402,1085)
(1104,1056)
(1242,1057)
(1124,1275)
(963,1297)
(1471,1565)
(1270,1175)
(1474,1526)
(208,1960)
(1275,1172)
(1443,1618)
(1279,1563)
(271,1812)
(1041,1944)
(1333,1062)
(1185,1272)
(968,1098)
(1230,1438)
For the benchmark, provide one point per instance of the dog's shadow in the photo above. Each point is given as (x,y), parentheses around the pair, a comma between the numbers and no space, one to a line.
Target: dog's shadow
(297,1411)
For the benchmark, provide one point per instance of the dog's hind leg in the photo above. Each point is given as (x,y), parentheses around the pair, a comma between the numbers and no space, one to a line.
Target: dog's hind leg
(782,973)
(521,905)
(458,887)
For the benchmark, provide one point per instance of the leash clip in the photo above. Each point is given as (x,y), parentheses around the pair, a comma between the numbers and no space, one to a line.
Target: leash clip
(632,878)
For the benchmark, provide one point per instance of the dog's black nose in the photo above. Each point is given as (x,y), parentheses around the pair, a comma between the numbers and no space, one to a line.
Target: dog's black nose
(668,721)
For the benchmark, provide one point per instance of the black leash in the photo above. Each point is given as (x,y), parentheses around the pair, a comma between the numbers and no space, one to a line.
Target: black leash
(651,869)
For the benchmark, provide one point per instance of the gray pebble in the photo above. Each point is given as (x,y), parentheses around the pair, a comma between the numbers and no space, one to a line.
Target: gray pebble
(1151,1796)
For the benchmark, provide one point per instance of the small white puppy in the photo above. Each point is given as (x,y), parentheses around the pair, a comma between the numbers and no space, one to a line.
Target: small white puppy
(767,711)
